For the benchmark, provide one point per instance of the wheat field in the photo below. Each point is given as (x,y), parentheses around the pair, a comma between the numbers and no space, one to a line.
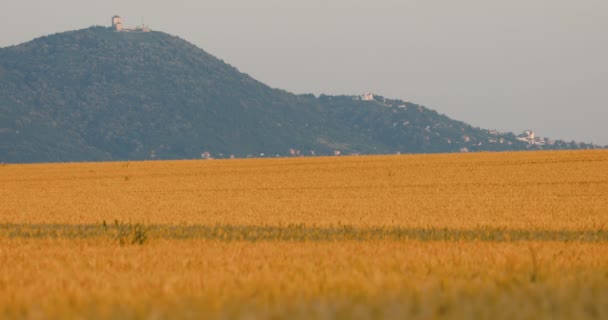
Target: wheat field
(485,235)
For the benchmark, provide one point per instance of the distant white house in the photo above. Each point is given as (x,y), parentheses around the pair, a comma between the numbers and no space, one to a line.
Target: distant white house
(531,138)
(527,135)
(368,96)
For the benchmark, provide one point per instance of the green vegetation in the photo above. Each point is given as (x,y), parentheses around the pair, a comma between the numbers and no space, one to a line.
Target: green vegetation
(128,233)
(125,233)
(94,94)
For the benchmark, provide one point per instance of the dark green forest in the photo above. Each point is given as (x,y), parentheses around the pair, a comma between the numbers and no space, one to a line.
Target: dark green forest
(96,95)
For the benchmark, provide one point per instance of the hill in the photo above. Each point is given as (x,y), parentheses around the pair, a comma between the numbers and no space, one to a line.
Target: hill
(95,94)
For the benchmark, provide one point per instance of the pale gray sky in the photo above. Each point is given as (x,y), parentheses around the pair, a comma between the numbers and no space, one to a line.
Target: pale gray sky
(507,65)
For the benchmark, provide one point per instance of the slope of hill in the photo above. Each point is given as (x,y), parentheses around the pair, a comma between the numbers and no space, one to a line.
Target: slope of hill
(95,94)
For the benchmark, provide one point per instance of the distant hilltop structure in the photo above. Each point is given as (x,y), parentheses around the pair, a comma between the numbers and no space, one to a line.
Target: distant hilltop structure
(119,27)
(368,96)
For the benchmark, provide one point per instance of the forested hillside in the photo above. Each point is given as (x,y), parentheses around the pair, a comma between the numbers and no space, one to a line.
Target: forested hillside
(96,94)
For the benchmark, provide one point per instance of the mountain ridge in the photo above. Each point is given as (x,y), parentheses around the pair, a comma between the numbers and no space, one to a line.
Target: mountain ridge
(95,94)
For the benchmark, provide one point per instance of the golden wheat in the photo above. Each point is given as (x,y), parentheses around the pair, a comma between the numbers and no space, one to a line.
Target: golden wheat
(412,279)
(544,190)
(489,235)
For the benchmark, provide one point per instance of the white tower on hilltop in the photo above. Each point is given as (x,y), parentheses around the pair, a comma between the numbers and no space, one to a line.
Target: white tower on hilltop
(117,23)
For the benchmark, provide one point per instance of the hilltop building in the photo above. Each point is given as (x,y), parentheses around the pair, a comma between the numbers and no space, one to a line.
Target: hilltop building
(117,23)
(119,27)
(368,96)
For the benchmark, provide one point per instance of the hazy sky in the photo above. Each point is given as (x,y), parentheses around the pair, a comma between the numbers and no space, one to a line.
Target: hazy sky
(507,65)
